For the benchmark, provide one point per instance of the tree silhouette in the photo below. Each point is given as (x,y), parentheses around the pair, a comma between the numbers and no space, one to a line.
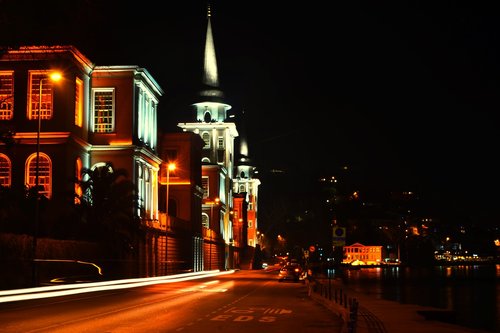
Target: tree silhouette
(109,208)
(257,258)
(16,209)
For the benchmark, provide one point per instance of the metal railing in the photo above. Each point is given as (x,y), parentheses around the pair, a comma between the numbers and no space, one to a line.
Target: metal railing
(349,306)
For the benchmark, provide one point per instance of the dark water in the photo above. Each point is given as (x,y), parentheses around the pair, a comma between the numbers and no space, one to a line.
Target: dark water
(472,292)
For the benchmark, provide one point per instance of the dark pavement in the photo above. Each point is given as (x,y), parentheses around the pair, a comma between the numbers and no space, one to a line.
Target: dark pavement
(382,316)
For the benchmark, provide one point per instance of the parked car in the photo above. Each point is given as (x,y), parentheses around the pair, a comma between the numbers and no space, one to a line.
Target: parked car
(291,271)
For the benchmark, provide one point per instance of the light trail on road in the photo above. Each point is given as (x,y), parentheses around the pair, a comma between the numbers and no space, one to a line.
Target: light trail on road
(73,289)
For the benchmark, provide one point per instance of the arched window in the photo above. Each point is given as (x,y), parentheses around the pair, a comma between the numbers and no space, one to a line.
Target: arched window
(242,188)
(102,165)
(207,117)
(5,170)
(206,138)
(205,221)
(205,160)
(44,173)
(78,179)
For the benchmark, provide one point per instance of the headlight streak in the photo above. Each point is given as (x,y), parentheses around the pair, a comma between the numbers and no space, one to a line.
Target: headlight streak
(95,284)
(203,288)
(73,289)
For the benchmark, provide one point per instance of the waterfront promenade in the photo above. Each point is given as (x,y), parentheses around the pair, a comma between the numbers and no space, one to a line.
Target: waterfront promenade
(376,315)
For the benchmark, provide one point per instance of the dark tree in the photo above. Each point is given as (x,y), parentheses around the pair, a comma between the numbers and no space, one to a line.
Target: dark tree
(257,258)
(16,209)
(109,208)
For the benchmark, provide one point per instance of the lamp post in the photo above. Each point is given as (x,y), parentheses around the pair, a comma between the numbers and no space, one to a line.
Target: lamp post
(55,76)
(170,167)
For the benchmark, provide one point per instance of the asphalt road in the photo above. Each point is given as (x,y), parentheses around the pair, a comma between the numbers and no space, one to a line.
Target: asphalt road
(245,301)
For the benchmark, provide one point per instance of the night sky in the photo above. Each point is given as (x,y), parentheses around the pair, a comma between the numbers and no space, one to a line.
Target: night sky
(404,94)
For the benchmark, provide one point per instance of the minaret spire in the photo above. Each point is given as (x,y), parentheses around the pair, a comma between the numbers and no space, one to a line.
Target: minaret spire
(210,74)
(243,164)
(210,106)
(243,138)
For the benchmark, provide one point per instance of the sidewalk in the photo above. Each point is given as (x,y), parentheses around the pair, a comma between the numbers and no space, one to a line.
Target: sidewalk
(383,316)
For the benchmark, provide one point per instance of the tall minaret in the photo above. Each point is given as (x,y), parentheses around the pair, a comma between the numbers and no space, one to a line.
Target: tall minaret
(211,106)
(218,152)
(245,183)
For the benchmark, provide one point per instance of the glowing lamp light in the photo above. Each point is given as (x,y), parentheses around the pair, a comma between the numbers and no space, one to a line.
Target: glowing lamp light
(55,76)
(170,167)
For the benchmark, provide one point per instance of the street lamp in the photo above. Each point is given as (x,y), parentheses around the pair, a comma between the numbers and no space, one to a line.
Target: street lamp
(54,76)
(170,167)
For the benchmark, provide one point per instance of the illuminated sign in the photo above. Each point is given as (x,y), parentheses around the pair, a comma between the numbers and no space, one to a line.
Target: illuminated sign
(338,236)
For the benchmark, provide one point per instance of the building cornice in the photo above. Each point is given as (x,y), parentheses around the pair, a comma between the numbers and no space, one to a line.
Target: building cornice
(138,72)
(210,126)
(46,137)
(148,153)
(37,53)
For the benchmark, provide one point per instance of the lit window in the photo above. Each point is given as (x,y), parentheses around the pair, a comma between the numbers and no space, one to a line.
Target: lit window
(141,187)
(6,95)
(146,119)
(206,138)
(40,91)
(204,184)
(79,103)
(78,177)
(220,142)
(5,171)
(205,221)
(222,186)
(44,173)
(104,102)
(145,188)
(147,199)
